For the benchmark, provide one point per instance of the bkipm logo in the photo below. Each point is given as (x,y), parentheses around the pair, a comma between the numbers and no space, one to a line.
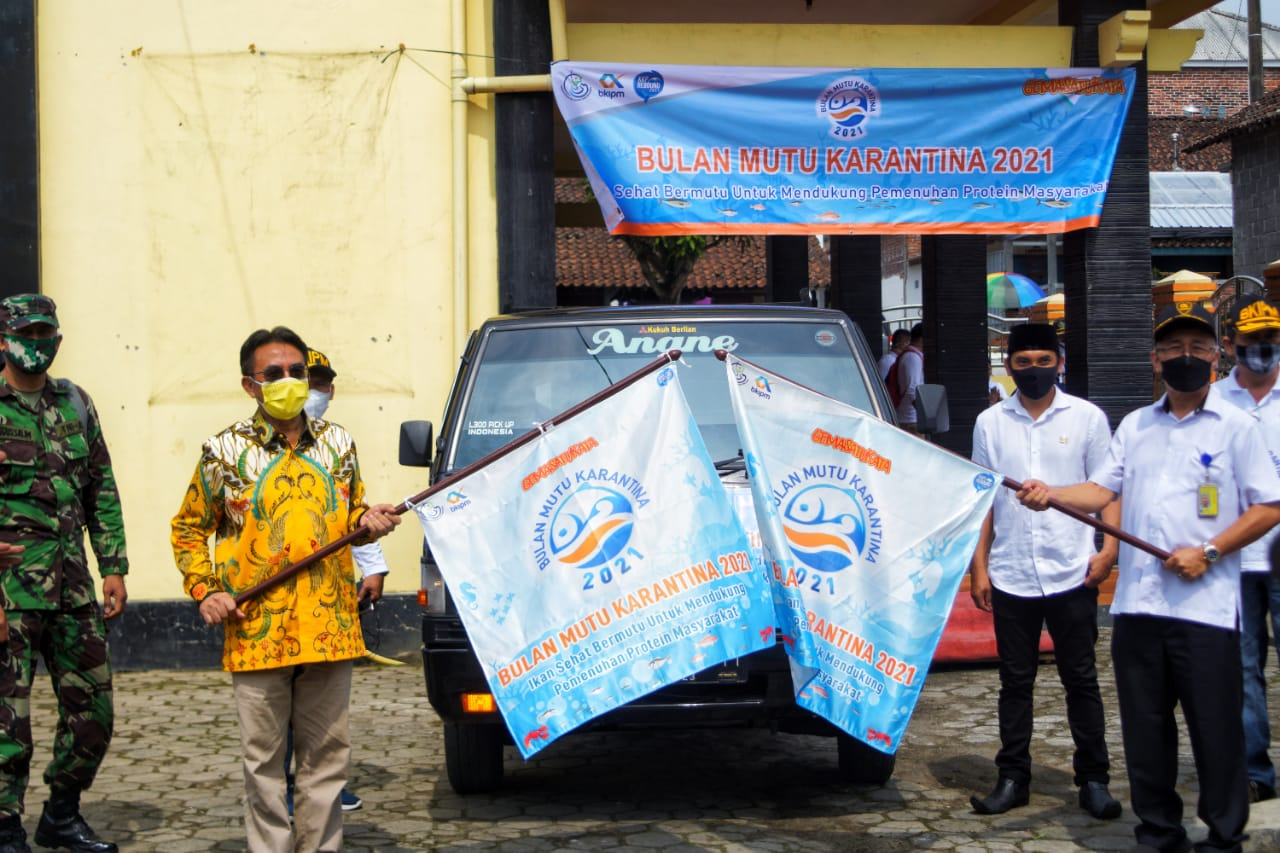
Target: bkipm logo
(592,527)
(825,527)
(850,104)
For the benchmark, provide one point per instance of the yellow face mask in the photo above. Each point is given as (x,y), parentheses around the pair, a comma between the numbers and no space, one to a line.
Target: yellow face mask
(284,398)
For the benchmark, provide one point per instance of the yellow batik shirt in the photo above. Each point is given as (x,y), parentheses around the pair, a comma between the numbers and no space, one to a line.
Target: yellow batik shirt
(268,505)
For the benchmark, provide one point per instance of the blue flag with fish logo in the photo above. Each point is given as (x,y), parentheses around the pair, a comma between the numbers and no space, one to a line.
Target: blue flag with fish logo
(866,532)
(599,562)
(688,149)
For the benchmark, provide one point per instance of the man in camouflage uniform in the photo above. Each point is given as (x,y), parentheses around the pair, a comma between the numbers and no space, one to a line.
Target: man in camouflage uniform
(55,481)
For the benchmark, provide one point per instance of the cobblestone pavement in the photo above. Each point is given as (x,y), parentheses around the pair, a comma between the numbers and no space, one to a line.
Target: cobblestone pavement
(172,779)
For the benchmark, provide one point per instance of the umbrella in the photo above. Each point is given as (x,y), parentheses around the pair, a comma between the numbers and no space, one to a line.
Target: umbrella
(1011,290)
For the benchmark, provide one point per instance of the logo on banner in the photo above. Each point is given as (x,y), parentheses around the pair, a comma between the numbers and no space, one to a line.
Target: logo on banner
(825,527)
(649,84)
(611,86)
(665,375)
(829,517)
(739,373)
(849,104)
(761,388)
(575,88)
(586,520)
(983,481)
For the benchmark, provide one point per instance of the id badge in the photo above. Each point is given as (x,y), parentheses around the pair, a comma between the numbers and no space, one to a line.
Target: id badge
(1207,500)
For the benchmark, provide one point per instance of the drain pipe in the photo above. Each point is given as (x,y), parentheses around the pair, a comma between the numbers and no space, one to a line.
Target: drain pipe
(461,248)
(462,87)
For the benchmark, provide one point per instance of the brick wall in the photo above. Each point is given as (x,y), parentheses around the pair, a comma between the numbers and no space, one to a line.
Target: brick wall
(1223,90)
(1255,183)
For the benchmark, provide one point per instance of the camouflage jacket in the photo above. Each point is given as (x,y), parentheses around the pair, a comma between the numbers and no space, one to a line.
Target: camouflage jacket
(56,482)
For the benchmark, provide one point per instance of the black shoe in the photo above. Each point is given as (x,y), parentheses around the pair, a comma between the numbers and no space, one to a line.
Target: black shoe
(1006,795)
(1097,801)
(13,838)
(1259,791)
(70,833)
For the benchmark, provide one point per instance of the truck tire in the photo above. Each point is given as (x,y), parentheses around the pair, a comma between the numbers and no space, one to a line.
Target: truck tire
(473,757)
(862,764)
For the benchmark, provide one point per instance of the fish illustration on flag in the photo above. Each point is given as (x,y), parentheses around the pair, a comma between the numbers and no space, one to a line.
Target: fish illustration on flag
(599,562)
(867,532)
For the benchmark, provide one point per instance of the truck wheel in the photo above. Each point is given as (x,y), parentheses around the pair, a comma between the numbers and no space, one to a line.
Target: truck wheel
(862,764)
(473,757)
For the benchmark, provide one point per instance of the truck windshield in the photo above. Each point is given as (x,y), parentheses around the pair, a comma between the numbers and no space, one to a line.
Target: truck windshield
(530,374)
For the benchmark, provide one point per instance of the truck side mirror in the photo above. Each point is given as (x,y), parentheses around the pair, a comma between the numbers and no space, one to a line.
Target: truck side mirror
(932,414)
(415,443)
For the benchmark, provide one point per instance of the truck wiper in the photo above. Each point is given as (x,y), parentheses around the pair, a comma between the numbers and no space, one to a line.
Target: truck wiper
(733,463)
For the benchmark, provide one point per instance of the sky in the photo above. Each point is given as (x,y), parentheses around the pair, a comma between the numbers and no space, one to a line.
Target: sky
(1270,10)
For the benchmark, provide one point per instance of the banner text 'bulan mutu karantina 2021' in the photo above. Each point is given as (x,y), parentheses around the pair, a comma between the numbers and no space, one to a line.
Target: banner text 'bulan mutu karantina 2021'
(681,149)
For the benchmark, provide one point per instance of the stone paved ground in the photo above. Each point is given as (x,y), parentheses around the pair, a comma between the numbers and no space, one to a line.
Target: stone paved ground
(172,780)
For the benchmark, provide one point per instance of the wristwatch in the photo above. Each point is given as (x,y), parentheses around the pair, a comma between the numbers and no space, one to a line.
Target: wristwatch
(1211,553)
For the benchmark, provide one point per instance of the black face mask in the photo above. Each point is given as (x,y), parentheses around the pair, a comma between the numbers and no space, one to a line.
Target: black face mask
(1186,373)
(1035,382)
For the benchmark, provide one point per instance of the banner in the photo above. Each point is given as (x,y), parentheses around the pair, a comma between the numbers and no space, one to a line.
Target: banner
(685,149)
(599,562)
(867,532)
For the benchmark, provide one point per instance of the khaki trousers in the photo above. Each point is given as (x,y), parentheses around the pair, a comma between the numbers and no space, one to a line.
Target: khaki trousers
(316,697)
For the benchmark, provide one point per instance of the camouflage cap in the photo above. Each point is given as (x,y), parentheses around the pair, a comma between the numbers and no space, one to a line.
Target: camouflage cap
(318,365)
(27,309)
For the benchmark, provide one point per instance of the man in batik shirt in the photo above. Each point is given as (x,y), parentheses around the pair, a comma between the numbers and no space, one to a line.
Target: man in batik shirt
(273,489)
(55,482)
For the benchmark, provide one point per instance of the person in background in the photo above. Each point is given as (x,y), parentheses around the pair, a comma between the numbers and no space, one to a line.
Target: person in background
(1253,339)
(905,376)
(898,342)
(369,558)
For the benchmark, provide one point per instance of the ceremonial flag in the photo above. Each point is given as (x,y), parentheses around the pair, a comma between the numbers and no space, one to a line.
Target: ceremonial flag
(599,562)
(687,149)
(867,532)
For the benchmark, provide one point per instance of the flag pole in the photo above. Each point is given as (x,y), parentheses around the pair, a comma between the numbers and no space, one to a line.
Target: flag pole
(1010,483)
(488,459)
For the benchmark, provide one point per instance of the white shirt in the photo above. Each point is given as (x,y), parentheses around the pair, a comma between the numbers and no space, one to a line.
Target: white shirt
(910,376)
(1040,553)
(886,362)
(369,559)
(1256,557)
(1155,465)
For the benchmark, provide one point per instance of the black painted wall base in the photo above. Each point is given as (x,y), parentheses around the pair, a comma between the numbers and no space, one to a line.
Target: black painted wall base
(171,635)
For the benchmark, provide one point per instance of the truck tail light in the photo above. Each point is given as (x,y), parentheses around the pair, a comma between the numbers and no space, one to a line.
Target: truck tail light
(478,703)
(422,598)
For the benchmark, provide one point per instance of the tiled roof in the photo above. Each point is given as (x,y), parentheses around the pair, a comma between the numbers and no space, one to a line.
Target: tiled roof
(589,257)
(1213,158)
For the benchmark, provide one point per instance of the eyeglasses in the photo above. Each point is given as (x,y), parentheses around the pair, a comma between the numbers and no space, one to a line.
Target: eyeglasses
(275,372)
(1199,350)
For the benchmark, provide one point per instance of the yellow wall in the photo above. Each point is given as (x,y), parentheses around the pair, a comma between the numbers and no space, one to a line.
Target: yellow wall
(193,188)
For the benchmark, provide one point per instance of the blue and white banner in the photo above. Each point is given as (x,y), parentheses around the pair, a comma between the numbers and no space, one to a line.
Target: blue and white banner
(599,562)
(685,149)
(867,531)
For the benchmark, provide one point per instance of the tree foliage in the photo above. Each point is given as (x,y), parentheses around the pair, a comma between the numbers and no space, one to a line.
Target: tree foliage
(667,262)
